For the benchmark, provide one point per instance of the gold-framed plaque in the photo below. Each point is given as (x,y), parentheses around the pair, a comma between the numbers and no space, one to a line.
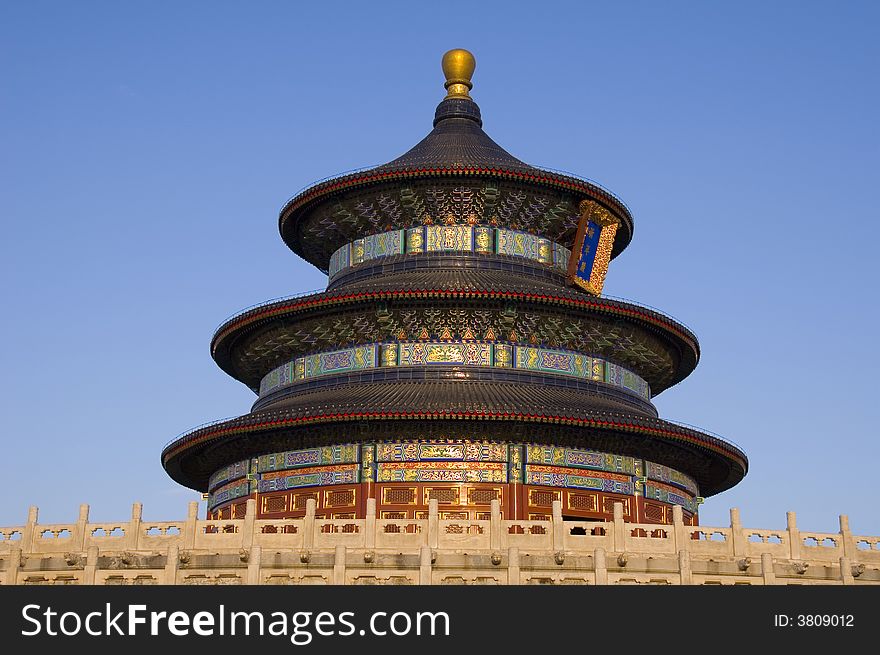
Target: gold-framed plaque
(592,247)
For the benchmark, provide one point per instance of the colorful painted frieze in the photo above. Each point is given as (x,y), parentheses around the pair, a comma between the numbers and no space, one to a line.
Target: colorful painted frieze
(483,240)
(309,477)
(227,473)
(410,451)
(517,244)
(415,240)
(668,475)
(368,462)
(441,472)
(669,494)
(557,476)
(448,352)
(384,244)
(560,362)
(229,492)
(291,459)
(588,459)
(350,359)
(450,238)
(621,377)
(440,238)
(418,353)
(515,463)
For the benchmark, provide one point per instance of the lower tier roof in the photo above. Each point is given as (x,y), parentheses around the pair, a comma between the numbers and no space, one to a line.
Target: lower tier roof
(463,409)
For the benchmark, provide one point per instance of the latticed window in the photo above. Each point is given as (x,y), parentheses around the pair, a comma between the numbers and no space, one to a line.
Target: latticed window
(483,496)
(584,502)
(343,498)
(444,496)
(275,504)
(654,512)
(543,498)
(300,500)
(399,496)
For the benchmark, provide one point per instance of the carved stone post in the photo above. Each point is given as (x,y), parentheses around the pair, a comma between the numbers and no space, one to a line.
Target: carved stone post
(91,566)
(679,530)
(12,564)
(558,527)
(684,567)
(370,525)
(495,525)
(172,562)
(740,545)
(846,536)
(794,535)
(767,569)
(425,565)
(30,529)
(255,562)
(339,566)
(133,531)
(600,565)
(309,524)
(513,565)
(433,523)
(249,524)
(619,529)
(846,574)
(80,536)
(189,529)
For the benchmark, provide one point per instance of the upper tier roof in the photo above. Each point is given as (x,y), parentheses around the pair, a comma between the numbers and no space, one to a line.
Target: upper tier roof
(457,151)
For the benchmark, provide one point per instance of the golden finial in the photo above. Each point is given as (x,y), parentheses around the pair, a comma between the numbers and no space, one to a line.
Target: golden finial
(458,67)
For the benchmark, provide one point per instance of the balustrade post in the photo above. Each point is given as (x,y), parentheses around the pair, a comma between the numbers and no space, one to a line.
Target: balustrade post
(600,566)
(495,525)
(133,531)
(81,530)
(91,567)
(619,528)
(370,525)
(558,527)
(794,535)
(12,565)
(740,544)
(513,565)
(425,564)
(681,541)
(172,563)
(846,575)
(339,565)
(309,524)
(433,523)
(30,528)
(255,562)
(846,536)
(767,569)
(249,524)
(189,529)
(684,567)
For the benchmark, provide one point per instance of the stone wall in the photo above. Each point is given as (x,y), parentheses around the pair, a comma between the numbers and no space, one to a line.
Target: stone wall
(313,550)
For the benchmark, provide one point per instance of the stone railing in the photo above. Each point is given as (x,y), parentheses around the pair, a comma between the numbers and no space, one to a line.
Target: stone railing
(428,551)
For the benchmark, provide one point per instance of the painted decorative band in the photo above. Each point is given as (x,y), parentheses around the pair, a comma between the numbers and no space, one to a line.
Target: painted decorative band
(481,239)
(460,353)
(456,460)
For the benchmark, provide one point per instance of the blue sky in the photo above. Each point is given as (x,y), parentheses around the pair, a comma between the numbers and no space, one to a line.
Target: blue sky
(146,148)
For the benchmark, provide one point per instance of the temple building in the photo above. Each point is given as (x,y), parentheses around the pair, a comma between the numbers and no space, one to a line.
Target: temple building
(461,405)
(462,351)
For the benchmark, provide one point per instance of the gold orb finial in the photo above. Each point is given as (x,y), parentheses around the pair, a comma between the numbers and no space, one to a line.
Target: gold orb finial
(458,67)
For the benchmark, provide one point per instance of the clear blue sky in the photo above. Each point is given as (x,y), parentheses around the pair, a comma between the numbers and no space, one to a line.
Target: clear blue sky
(146,148)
